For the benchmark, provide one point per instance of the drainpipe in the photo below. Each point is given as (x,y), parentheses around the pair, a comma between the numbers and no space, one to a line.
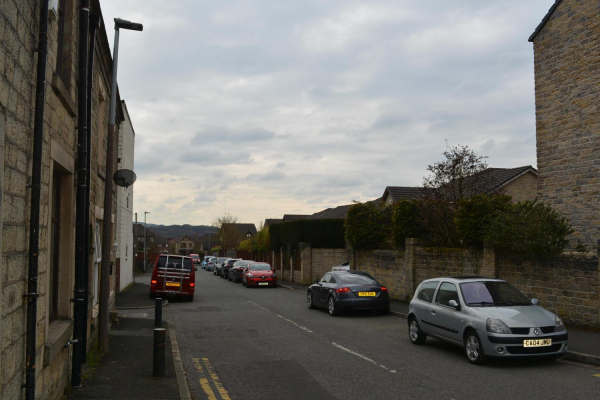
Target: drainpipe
(34,219)
(94,24)
(81,207)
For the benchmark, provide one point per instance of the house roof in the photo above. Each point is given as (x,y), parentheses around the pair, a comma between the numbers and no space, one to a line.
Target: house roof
(544,20)
(271,221)
(398,193)
(244,228)
(294,217)
(185,237)
(335,212)
(499,177)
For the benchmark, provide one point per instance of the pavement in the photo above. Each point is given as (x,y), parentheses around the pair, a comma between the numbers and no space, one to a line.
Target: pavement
(584,345)
(125,372)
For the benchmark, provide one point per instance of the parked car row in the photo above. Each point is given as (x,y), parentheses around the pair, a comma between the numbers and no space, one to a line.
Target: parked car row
(249,273)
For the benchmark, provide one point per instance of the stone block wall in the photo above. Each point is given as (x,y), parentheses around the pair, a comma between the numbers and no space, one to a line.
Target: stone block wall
(523,188)
(388,267)
(567,94)
(568,286)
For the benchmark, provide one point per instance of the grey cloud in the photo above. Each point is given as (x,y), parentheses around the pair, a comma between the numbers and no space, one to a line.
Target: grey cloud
(268,176)
(218,135)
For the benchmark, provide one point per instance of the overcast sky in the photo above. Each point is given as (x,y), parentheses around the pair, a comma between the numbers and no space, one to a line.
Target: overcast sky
(265,108)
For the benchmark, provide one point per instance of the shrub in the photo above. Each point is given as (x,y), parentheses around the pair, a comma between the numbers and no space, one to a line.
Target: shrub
(530,229)
(319,233)
(407,222)
(368,226)
(474,216)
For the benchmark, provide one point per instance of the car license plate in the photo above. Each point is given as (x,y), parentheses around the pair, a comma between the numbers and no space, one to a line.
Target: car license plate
(173,284)
(263,283)
(366,294)
(537,343)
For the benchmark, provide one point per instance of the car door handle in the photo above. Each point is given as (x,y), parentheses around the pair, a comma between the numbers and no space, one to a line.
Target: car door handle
(433,312)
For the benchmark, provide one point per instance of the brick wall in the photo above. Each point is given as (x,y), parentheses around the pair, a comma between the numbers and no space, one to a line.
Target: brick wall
(567,94)
(523,188)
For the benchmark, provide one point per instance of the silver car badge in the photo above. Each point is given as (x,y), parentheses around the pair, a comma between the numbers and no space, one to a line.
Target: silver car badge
(536,332)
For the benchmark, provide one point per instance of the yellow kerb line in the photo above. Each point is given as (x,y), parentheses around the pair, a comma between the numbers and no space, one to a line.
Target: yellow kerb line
(216,381)
(204,384)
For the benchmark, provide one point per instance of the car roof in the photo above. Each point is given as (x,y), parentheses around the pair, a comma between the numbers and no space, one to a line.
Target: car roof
(466,278)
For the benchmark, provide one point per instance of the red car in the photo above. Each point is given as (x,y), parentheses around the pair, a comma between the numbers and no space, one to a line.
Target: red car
(259,274)
(173,276)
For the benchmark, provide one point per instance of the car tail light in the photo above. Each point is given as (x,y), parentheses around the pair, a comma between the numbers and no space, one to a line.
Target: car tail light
(343,290)
(192,284)
(383,289)
(153,282)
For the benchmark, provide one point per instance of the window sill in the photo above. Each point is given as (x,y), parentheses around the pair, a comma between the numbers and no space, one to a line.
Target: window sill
(59,333)
(63,94)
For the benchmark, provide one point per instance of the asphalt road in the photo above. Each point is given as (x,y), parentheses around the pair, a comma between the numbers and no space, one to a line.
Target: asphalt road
(264,343)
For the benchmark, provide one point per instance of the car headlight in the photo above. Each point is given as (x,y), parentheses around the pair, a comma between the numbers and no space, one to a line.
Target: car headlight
(558,324)
(250,276)
(496,326)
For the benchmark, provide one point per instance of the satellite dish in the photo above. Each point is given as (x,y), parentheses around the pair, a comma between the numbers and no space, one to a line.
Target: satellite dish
(124,178)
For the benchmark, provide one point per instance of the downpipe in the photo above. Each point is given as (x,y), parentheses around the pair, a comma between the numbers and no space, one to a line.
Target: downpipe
(34,218)
(81,206)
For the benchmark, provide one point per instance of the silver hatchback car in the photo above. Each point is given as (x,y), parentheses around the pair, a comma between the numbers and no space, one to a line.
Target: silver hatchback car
(487,317)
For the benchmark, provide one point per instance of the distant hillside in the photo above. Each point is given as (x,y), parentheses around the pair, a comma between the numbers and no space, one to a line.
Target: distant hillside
(177,231)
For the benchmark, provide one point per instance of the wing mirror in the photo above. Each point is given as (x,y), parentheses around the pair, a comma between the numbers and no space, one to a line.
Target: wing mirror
(454,304)
(316,280)
(535,302)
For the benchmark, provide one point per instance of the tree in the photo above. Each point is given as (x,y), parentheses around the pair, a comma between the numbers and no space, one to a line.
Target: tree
(407,222)
(461,175)
(229,235)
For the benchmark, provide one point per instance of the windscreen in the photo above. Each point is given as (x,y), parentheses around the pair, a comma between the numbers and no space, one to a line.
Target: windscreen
(166,262)
(353,279)
(260,267)
(195,257)
(221,260)
(492,294)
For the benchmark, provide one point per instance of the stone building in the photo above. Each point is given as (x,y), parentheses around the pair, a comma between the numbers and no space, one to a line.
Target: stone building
(184,245)
(566,47)
(19,28)
(125,249)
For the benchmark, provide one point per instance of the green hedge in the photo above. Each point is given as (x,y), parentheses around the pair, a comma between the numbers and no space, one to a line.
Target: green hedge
(474,216)
(368,226)
(407,222)
(319,233)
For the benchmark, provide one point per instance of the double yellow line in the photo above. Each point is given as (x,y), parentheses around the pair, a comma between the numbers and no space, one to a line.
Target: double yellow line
(212,377)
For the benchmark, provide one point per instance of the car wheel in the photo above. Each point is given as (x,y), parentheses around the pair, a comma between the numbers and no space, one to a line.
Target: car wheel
(474,349)
(190,298)
(415,333)
(248,286)
(309,301)
(332,308)
(385,311)
(152,296)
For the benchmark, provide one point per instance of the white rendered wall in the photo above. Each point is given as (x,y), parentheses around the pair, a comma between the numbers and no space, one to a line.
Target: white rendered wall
(125,207)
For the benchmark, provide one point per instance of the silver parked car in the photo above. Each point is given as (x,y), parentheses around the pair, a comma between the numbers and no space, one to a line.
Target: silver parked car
(487,317)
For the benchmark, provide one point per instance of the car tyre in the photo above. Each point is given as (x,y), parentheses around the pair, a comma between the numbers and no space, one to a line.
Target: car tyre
(152,296)
(415,334)
(333,311)
(474,349)
(309,301)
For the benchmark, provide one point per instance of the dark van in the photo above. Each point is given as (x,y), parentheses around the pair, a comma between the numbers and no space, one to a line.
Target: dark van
(173,276)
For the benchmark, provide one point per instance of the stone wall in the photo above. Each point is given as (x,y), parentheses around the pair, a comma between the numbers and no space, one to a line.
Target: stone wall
(568,285)
(567,94)
(523,188)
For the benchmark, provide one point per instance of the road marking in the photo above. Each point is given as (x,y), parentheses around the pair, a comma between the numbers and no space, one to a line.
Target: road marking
(597,375)
(363,357)
(216,381)
(203,381)
(258,305)
(292,322)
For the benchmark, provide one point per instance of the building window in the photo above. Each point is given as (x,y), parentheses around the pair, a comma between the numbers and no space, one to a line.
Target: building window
(64,48)
(53,292)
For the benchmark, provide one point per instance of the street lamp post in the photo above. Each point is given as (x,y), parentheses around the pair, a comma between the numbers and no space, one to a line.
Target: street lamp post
(108,191)
(145,252)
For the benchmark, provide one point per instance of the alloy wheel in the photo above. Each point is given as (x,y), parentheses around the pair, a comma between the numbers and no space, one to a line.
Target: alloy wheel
(472,348)
(414,330)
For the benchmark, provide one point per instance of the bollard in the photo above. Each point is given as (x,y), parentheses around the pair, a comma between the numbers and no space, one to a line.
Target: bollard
(158,360)
(158,313)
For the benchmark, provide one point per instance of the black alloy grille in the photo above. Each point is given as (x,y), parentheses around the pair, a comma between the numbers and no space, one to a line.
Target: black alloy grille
(520,331)
(548,329)
(533,350)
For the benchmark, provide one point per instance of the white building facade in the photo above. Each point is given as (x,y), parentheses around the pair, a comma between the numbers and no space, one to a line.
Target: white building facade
(124,239)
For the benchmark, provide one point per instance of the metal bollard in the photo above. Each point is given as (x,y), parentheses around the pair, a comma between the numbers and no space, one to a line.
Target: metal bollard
(158,359)
(158,313)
